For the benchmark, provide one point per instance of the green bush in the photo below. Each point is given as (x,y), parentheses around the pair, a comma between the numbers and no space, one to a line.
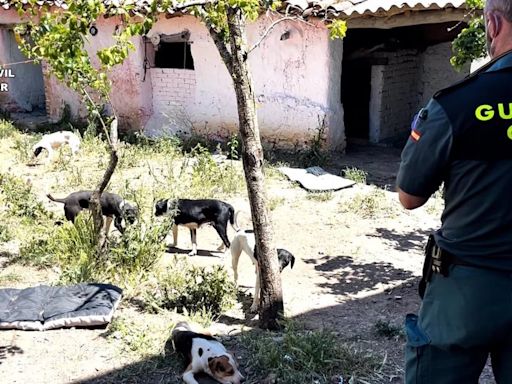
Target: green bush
(188,288)
(7,129)
(135,253)
(125,261)
(210,179)
(17,195)
(5,234)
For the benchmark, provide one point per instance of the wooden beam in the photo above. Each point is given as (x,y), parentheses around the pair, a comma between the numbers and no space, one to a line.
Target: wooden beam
(402,20)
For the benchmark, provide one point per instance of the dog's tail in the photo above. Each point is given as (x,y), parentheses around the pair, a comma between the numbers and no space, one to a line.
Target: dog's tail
(55,199)
(233,218)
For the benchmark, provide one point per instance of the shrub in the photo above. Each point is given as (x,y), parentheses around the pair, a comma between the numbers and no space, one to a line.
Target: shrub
(210,179)
(135,253)
(7,129)
(188,288)
(74,246)
(18,197)
(5,234)
(23,147)
(126,260)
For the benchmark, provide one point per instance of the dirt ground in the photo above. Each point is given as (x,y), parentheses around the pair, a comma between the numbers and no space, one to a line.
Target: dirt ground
(351,272)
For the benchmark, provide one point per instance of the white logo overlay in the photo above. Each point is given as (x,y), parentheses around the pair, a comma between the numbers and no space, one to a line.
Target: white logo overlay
(5,73)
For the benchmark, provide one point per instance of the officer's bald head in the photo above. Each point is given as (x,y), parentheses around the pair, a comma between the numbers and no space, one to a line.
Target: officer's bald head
(498,26)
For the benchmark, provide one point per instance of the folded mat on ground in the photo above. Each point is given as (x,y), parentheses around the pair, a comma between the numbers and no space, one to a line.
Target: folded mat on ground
(316,179)
(44,307)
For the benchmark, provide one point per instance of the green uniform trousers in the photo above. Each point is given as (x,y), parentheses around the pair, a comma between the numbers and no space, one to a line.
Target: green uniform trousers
(464,318)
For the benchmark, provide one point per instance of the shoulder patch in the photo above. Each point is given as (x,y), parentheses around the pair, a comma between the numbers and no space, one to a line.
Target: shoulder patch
(415,135)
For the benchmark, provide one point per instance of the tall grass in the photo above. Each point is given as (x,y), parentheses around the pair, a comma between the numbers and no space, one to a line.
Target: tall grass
(302,356)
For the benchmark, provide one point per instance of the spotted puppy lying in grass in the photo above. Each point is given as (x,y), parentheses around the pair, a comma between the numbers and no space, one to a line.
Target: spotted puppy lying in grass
(203,353)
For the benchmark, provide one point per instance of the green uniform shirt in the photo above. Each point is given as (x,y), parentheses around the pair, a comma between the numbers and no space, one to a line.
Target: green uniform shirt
(463,138)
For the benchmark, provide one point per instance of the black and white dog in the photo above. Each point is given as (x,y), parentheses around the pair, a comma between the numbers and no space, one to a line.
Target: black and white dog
(194,213)
(245,241)
(112,206)
(204,353)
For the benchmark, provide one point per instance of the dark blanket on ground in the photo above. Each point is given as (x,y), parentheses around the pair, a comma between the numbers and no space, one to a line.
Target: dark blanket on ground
(45,307)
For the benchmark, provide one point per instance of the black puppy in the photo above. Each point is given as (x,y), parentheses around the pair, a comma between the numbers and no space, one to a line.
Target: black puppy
(112,206)
(194,213)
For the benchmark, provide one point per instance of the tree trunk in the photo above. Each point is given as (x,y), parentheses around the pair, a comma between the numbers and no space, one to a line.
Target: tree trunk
(95,205)
(271,305)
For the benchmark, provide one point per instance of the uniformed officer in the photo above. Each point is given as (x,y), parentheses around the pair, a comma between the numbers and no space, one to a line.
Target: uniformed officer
(463,138)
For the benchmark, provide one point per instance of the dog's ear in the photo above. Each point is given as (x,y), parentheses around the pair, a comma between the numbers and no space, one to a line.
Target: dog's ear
(292,261)
(233,355)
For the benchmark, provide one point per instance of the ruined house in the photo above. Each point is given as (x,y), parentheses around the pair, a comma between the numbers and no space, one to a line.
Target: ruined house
(365,88)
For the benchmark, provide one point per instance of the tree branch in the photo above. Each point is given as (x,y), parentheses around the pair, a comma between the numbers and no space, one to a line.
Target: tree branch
(272,26)
(223,47)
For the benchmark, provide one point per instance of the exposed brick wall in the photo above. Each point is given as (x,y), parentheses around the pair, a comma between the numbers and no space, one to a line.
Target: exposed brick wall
(172,86)
(436,72)
(399,93)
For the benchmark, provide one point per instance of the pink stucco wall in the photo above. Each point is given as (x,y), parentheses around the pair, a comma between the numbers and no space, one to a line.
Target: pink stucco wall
(297,84)
(131,93)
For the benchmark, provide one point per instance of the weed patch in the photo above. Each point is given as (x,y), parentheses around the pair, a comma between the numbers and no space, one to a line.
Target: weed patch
(369,204)
(388,330)
(140,339)
(320,196)
(300,356)
(17,195)
(355,174)
(10,278)
(7,129)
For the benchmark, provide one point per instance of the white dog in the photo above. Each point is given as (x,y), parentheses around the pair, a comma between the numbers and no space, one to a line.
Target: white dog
(53,141)
(245,241)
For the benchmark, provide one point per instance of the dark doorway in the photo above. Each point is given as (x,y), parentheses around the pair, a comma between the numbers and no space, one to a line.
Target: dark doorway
(355,97)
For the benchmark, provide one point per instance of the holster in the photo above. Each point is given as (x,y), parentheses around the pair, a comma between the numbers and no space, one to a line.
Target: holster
(436,261)
(427,266)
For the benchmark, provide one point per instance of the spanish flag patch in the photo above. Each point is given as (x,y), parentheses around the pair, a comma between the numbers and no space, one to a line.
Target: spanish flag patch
(415,135)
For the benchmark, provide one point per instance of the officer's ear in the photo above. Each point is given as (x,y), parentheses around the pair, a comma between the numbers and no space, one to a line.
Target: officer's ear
(494,24)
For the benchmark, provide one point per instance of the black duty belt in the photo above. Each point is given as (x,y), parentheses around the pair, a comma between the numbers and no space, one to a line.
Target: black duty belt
(437,260)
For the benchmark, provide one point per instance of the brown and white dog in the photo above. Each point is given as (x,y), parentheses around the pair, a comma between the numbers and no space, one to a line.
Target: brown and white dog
(245,241)
(53,141)
(204,353)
